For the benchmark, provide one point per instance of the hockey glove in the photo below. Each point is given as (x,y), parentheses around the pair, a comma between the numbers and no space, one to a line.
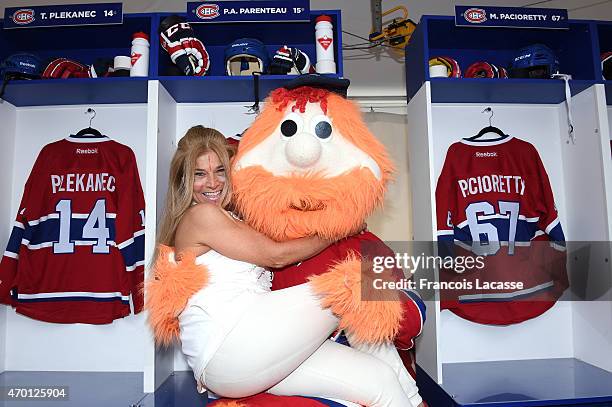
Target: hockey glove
(63,68)
(101,68)
(186,51)
(289,61)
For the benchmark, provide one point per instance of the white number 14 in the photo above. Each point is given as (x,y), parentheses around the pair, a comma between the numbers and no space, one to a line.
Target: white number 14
(94,228)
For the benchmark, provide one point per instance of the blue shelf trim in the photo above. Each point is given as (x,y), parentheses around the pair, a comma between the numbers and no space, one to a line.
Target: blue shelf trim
(533,91)
(519,383)
(77,91)
(221,88)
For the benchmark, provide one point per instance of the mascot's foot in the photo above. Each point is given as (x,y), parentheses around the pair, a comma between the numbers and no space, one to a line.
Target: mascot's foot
(376,318)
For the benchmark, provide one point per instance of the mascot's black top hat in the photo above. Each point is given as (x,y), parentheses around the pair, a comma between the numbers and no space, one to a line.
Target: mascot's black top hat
(336,85)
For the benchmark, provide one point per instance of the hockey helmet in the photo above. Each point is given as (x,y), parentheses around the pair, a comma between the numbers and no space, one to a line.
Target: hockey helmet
(245,56)
(21,66)
(535,61)
(481,69)
(452,67)
(606,65)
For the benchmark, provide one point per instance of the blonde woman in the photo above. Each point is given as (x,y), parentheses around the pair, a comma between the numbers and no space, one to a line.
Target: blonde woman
(239,337)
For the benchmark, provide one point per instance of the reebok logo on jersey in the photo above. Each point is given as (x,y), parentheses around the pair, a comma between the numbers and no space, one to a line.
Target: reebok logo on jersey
(87,151)
(488,154)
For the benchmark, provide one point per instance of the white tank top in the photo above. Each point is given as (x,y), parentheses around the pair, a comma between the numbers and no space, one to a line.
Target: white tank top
(212,312)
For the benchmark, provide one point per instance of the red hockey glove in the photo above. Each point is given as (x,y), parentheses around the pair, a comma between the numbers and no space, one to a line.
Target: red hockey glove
(65,68)
(186,51)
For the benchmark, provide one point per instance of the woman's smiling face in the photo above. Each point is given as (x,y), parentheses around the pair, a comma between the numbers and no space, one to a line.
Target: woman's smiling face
(209,179)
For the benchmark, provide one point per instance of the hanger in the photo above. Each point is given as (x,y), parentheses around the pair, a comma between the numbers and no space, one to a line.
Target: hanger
(89,131)
(488,129)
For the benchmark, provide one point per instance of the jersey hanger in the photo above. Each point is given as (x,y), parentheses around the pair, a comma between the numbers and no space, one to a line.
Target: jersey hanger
(89,131)
(488,129)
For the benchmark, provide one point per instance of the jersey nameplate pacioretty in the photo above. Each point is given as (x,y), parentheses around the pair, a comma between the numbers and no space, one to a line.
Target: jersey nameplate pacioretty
(517,17)
(63,15)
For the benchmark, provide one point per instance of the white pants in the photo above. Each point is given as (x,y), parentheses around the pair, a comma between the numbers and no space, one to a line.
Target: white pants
(280,346)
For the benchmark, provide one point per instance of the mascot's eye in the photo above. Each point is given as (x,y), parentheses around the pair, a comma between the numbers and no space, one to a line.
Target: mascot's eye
(289,128)
(322,127)
(292,123)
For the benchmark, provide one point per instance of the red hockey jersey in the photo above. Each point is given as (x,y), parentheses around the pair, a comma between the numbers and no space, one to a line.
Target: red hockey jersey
(76,251)
(493,199)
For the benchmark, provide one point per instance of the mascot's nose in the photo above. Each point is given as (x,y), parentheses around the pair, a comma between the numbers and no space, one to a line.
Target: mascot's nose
(303,150)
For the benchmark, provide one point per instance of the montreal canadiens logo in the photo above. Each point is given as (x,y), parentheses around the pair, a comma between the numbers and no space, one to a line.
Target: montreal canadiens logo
(475,15)
(23,16)
(207,11)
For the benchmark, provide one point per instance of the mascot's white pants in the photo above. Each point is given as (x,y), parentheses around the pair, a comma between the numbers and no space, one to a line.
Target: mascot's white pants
(280,345)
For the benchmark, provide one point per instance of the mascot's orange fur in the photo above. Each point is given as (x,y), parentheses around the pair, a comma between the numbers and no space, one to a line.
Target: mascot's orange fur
(304,203)
(169,289)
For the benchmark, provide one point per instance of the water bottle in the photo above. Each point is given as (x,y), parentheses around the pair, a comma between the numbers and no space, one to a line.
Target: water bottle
(324,43)
(140,55)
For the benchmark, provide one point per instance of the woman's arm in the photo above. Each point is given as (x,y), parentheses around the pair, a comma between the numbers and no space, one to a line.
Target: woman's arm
(208,225)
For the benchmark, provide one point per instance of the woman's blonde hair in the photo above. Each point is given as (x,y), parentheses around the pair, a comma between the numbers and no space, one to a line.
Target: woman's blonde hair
(197,141)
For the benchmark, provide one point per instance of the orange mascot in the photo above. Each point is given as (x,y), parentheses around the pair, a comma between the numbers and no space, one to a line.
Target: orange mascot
(309,165)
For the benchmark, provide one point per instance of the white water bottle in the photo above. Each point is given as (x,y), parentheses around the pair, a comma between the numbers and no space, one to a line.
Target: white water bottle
(324,43)
(140,54)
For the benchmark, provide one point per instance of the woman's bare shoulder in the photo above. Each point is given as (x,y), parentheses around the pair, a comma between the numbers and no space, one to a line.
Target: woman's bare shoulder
(203,214)
(196,225)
